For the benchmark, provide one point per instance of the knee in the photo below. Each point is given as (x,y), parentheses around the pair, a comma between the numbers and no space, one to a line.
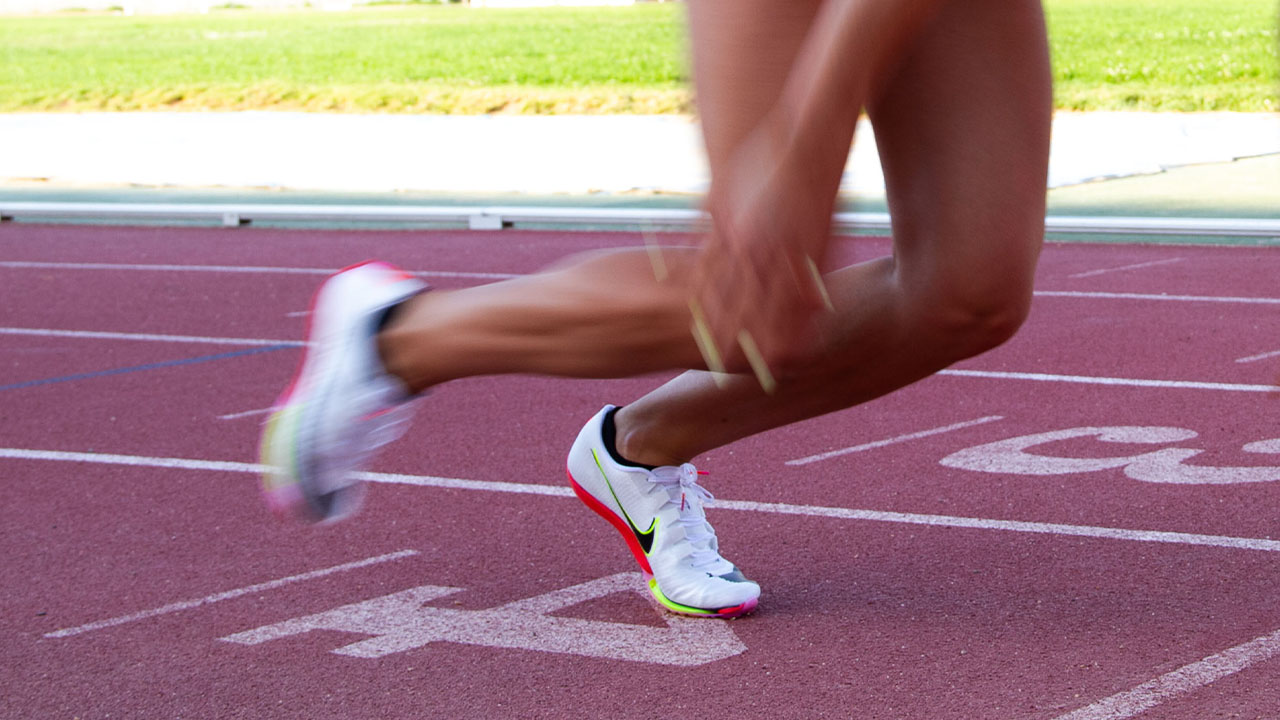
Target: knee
(973,318)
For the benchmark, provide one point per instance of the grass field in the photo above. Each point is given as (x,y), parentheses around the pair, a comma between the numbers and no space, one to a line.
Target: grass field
(1108,55)
(1165,54)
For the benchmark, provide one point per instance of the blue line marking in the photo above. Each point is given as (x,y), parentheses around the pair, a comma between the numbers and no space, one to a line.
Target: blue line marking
(144,368)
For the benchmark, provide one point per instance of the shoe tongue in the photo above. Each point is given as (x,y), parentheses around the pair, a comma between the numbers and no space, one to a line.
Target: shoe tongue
(666,475)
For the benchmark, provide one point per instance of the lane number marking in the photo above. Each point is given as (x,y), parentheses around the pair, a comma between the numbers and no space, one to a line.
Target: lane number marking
(1165,465)
(400,622)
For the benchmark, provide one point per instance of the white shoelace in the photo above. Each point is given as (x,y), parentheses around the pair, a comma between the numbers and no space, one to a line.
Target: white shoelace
(691,499)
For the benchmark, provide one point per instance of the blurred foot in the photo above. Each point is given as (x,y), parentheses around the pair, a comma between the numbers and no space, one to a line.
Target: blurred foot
(342,405)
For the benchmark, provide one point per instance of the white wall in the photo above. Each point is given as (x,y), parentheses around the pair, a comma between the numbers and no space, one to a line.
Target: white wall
(139,7)
(22,7)
(545,3)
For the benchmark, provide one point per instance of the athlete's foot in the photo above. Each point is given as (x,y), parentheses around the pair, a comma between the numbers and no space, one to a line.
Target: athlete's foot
(659,512)
(342,405)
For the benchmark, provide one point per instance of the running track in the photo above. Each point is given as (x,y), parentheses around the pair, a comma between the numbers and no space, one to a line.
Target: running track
(912,568)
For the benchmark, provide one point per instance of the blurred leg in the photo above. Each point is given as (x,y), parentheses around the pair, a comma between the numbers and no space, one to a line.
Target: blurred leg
(963,130)
(605,315)
(962,125)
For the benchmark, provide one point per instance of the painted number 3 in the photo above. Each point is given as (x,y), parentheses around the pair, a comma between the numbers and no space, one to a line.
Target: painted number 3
(1166,465)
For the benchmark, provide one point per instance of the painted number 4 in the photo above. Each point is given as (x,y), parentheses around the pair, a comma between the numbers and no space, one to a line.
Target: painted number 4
(1165,465)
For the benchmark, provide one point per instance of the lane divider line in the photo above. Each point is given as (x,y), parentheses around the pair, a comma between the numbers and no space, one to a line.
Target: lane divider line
(147,337)
(143,368)
(229,594)
(1040,528)
(1156,296)
(894,440)
(1088,531)
(267,345)
(32,265)
(1082,294)
(1126,382)
(1122,268)
(1181,681)
(1260,356)
(246,413)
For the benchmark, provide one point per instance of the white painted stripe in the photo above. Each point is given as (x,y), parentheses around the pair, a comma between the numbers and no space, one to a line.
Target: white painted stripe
(776,508)
(134,460)
(462,484)
(1122,268)
(504,276)
(145,337)
(246,413)
(1261,356)
(38,265)
(894,440)
(1125,382)
(228,594)
(20,264)
(1156,296)
(1181,681)
(255,468)
(1042,377)
(1090,531)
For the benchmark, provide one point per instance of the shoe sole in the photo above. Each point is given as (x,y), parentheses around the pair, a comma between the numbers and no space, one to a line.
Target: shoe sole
(638,552)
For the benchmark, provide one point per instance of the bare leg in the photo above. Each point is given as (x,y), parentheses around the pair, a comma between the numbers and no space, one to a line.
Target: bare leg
(609,304)
(963,131)
(962,126)
(599,316)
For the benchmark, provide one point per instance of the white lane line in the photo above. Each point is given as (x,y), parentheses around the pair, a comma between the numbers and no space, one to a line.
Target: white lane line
(1181,681)
(22,264)
(246,413)
(1125,382)
(1104,533)
(1040,528)
(1042,377)
(228,594)
(135,460)
(894,440)
(1122,268)
(19,264)
(1157,296)
(298,314)
(146,337)
(1261,356)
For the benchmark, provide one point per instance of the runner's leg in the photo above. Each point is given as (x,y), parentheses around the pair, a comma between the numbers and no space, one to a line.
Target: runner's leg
(606,316)
(963,130)
(962,127)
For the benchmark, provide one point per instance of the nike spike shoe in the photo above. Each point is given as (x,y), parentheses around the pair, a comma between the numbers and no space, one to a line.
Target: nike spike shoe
(660,515)
(342,405)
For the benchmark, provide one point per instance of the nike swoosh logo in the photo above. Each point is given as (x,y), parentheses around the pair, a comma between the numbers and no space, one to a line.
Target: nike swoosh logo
(644,538)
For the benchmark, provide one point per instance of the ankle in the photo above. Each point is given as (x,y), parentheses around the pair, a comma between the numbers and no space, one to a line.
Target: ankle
(640,442)
(397,341)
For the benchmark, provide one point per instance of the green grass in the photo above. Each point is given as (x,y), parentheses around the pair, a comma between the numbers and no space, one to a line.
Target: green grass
(1187,55)
(1108,54)
(416,58)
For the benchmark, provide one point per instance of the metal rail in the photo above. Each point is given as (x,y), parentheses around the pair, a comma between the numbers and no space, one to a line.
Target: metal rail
(479,217)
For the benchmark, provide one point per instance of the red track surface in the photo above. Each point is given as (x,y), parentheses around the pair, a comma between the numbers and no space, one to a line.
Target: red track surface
(863,615)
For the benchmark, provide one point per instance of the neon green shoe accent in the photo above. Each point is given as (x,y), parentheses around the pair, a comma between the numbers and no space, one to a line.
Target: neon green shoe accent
(646,537)
(265,450)
(280,427)
(675,606)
